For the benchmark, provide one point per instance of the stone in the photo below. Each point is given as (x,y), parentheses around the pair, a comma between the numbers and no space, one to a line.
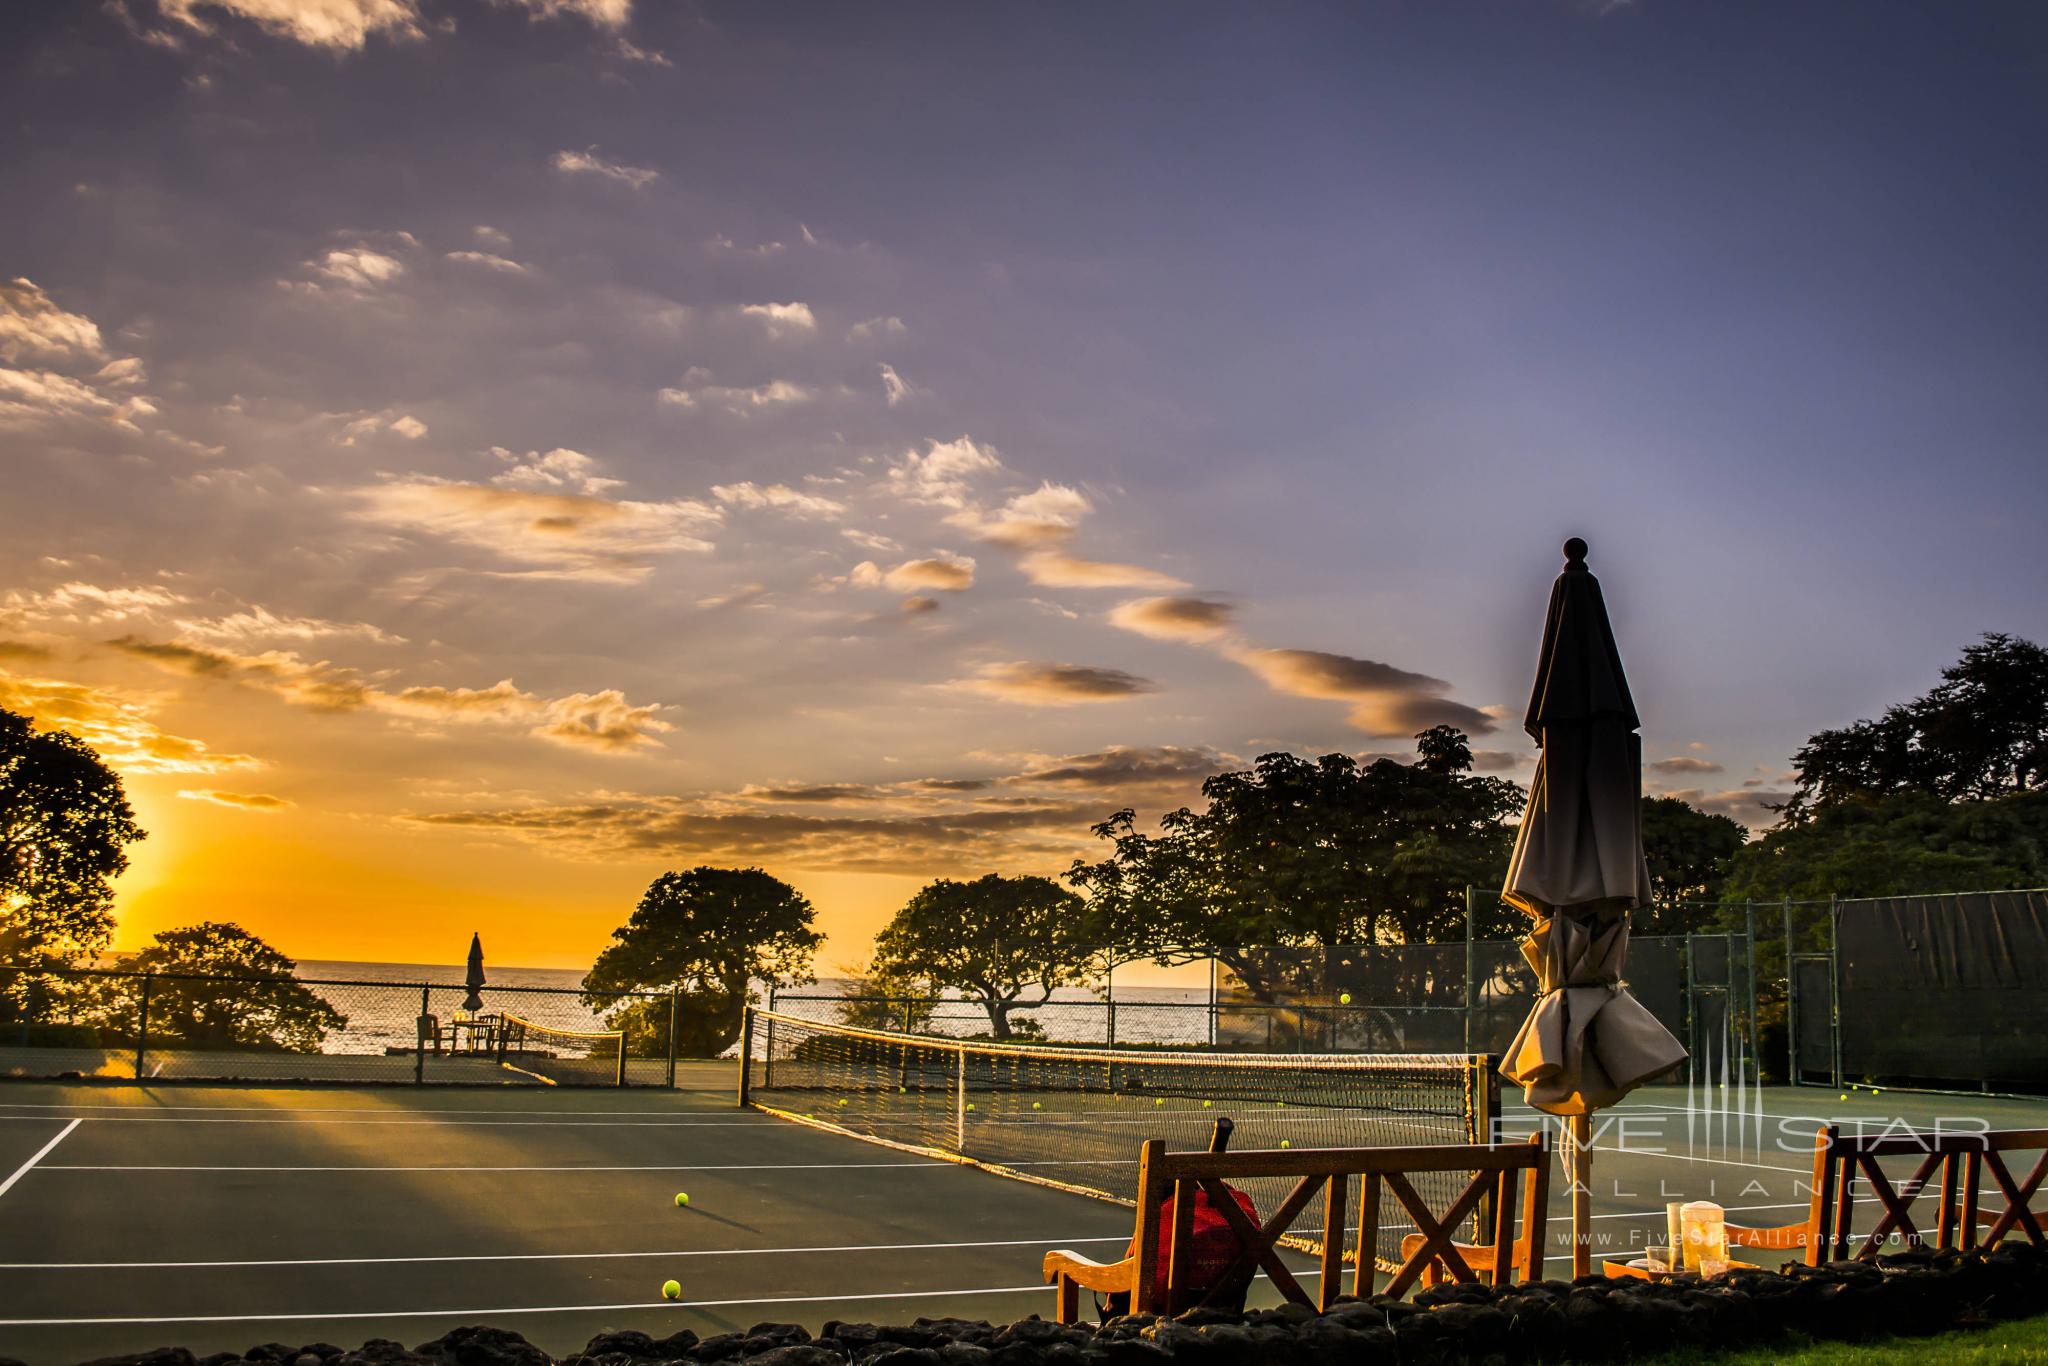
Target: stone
(625,1342)
(478,1345)
(719,1347)
(798,1354)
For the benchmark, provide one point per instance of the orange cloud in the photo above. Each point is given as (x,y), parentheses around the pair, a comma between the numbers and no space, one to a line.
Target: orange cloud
(1055,685)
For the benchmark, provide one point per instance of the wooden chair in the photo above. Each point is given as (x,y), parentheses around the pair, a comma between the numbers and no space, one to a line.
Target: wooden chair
(430,1033)
(1962,1160)
(1495,1180)
(1480,1257)
(1802,1235)
(1071,1273)
(2018,1212)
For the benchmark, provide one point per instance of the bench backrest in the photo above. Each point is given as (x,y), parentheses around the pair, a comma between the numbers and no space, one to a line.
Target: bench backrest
(1494,1193)
(1962,1158)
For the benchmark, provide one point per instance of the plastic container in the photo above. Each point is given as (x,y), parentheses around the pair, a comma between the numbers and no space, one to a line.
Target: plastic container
(1705,1231)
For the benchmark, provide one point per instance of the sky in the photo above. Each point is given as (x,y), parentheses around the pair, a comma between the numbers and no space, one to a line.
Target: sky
(465,457)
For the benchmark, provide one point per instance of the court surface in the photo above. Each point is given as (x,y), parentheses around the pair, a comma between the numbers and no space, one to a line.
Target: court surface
(215,1218)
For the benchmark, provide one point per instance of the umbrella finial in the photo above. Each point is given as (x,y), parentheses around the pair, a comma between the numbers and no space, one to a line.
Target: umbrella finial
(1575,554)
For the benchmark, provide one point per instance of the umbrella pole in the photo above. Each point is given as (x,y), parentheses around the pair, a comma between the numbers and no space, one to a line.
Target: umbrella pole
(1580,1152)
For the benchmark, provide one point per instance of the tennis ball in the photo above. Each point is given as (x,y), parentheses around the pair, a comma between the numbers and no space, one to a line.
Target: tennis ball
(1345,999)
(1207,1103)
(970,1107)
(1158,1102)
(1843,1096)
(1285,1143)
(1035,1105)
(671,1290)
(842,1102)
(682,1199)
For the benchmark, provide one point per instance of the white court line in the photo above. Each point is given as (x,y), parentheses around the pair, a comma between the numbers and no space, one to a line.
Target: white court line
(40,1154)
(546,1256)
(345,1109)
(1038,1289)
(702,1167)
(448,1123)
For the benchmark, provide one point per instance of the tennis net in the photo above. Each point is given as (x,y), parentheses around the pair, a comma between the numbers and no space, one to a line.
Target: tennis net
(566,1057)
(1076,1117)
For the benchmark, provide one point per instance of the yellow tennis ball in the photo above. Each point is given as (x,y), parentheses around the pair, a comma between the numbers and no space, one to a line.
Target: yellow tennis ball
(1035,1105)
(970,1107)
(1158,1102)
(1207,1103)
(682,1199)
(842,1102)
(1285,1143)
(1345,999)
(671,1290)
(1843,1096)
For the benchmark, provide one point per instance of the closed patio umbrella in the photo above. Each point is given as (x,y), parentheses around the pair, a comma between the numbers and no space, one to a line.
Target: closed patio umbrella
(474,978)
(1578,869)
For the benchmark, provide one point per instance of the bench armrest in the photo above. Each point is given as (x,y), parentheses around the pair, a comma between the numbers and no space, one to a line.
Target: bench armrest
(1106,1277)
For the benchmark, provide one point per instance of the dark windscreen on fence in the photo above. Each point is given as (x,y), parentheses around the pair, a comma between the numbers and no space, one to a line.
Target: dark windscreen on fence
(1945,990)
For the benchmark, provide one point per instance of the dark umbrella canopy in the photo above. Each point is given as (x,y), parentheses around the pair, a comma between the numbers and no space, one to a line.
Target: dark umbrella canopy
(474,978)
(1578,867)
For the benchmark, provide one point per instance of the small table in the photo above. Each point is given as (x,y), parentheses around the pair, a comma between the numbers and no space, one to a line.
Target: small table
(1618,1269)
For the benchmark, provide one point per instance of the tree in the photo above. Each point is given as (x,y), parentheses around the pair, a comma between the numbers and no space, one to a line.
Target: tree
(1688,852)
(215,985)
(1300,854)
(64,827)
(1898,846)
(991,939)
(1980,734)
(707,934)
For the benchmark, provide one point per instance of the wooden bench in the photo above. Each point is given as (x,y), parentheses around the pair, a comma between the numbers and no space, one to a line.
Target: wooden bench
(1495,1190)
(1963,1159)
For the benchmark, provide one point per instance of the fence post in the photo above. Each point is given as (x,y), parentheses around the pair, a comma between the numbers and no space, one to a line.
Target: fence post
(1111,1041)
(1471,924)
(674,1010)
(1835,984)
(142,1029)
(1756,1039)
(910,1015)
(419,1048)
(1791,1003)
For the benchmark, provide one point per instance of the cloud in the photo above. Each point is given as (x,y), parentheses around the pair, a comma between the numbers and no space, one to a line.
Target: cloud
(603,721)
(779,497)
(895,388)
(868,540)
(1055,685)
(259,623)
(1499,760)
(24,650)
(588,162)
(31,396)
(1388,700)
(869,328)
(1685,765)
(1191,619)
(916,606)
(1038,837)
(488,236)
(357,268)
(1751,807)
(88,604)
(33,326)
(776,393)
(782,317)
(239,801)
(814,792)
(1057,569)
(943,474)
(403,425)
(547,512)
(504,265)
(943,573)
(339,25)
(116,725)
(1131,766)
(1045,516)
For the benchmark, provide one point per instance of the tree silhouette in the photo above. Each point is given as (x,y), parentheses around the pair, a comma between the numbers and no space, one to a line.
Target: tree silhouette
(992,940)
(707,933)
(215,985)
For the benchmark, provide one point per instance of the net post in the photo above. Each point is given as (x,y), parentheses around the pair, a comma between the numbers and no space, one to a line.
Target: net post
(142,1029)
(419,1047)
(674,1007)
(620,1078)
(746,1050)
(960,1098)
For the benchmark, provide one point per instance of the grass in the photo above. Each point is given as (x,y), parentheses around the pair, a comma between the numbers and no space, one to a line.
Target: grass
(2025,1341)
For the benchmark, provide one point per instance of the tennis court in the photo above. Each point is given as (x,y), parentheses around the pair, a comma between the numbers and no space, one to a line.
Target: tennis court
(135,1217)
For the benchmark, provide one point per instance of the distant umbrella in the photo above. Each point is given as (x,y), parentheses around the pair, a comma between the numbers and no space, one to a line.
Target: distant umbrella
(474,979)
(1578,869)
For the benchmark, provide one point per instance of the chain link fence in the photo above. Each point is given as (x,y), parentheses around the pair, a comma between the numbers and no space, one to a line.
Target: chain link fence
(85,1022)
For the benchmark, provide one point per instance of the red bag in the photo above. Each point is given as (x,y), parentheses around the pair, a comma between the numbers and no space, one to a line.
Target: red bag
(1212,1243)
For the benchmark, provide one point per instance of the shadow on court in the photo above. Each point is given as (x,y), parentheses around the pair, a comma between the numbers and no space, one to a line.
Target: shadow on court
(221,1218)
